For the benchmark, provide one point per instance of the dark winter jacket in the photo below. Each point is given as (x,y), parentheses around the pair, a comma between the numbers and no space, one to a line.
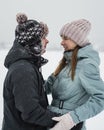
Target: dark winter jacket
(25,102)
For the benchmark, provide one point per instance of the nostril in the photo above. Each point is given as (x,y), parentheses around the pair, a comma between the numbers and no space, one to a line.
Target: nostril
(62,43)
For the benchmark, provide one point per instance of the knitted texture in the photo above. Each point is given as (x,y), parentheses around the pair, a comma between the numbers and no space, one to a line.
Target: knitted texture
(77,31)
(29,30)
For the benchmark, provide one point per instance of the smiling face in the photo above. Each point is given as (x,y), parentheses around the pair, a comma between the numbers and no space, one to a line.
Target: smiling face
(68,44)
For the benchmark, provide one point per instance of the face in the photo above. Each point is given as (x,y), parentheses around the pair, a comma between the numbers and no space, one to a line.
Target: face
(68,44)
(44,44)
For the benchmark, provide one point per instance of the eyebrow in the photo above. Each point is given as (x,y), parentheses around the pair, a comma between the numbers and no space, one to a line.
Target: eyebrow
(65,37)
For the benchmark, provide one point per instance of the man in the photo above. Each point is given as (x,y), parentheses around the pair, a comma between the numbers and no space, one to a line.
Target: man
(25,101)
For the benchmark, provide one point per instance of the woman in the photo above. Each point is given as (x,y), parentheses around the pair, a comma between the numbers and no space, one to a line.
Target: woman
(76,86)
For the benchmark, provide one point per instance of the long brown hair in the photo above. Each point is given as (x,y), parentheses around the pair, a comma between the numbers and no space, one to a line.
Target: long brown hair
(62,63)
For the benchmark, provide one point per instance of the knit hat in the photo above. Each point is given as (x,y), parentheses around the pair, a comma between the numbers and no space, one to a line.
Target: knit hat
(29,30)
(77,31)
(29,33)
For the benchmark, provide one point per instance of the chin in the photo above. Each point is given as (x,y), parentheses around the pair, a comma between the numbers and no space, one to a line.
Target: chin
(65,49)
(43,51)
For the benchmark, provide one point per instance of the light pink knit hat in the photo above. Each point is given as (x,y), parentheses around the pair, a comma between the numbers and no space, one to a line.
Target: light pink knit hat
(77,31)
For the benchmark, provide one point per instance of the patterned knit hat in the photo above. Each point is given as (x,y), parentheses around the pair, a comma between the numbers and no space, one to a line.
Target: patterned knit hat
(77,31)
(29,30)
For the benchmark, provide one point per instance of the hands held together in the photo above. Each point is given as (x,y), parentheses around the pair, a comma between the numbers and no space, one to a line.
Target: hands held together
(65,122)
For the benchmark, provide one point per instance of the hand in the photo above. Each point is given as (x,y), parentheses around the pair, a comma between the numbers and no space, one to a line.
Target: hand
(65,122)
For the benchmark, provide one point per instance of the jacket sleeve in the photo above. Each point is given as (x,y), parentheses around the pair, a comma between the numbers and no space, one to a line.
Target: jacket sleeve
(94,87)
(27,99)
(49,83)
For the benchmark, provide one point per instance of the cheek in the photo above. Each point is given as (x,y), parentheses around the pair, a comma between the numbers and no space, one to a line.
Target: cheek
(43,45)
(42,41)
(68,45)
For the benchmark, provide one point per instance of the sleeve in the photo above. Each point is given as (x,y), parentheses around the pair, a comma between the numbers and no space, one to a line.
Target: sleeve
(27,99)
(49,83)
(94,87)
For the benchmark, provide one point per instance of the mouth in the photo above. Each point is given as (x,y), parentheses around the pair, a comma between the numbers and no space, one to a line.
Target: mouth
(64,48)
(43,50)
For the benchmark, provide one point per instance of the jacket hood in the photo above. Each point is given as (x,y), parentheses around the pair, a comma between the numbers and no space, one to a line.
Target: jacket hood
(18,52)
(85,52)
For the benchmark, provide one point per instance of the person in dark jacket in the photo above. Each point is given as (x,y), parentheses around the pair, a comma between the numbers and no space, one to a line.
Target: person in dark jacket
(25,100)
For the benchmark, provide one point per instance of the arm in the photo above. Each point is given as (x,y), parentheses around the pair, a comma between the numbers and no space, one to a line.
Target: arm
(94,86)
(49,83)
(26,97)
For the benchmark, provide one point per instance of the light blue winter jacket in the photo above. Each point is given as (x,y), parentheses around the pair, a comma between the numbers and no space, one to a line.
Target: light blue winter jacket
(83,97)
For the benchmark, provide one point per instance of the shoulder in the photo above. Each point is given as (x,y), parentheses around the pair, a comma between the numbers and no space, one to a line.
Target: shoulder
(90,69)
(89,64)
(23,67)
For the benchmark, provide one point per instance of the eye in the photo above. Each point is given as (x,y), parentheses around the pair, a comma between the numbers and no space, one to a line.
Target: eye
(65,38)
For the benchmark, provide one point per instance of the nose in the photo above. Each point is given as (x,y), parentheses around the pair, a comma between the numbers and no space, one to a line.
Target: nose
(46,41)
(62,42)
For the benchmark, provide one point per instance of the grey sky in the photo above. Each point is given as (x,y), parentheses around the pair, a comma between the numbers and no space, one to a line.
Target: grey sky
(55,13)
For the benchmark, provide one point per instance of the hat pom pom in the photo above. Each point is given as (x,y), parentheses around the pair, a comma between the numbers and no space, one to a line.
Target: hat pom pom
(21,18)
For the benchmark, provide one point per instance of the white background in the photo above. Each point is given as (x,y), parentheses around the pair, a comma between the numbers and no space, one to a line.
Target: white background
(55,13)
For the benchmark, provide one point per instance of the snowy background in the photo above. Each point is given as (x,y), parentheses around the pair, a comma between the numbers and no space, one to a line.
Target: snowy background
(55,13)
(96,123)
